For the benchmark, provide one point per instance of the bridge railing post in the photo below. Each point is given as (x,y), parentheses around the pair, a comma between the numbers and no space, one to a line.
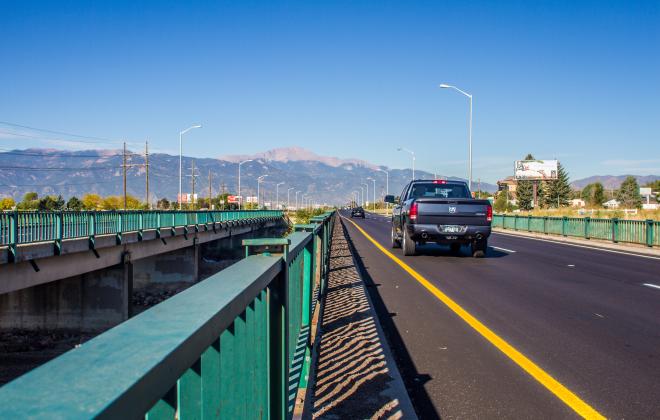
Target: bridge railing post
(59,228)
(587,227)
(13,235)
(120,222)
(91,233)
(649,232)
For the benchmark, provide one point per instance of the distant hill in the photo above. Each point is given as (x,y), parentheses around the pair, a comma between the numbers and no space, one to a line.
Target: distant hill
(612,181)
(327,179)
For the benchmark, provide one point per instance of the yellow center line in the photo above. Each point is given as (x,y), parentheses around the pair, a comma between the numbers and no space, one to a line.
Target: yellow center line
(544,378)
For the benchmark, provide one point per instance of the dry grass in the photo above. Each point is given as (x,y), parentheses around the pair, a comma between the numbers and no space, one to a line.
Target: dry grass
(593,213)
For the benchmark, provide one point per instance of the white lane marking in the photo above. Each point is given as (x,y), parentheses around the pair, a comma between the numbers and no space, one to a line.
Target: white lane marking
(595,248)
(599,315)
(503,249)
(655,286)
(571,265)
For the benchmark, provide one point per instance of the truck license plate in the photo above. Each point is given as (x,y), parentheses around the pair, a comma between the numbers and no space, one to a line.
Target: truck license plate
(452,229)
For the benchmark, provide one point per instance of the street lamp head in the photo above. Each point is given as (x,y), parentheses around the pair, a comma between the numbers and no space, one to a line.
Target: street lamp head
(444,86)
(190,128)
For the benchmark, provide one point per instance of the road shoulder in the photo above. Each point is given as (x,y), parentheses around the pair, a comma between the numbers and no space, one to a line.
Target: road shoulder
(591,243)
(356,375)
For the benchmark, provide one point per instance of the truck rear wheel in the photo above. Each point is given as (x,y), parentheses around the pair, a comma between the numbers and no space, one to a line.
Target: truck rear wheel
(409,246)
(396,243)
(479,248)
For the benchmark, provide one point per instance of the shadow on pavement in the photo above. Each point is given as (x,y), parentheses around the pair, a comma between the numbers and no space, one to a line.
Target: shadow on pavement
(413,380)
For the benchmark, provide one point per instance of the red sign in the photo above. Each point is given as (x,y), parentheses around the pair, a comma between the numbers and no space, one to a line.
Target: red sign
(232,199)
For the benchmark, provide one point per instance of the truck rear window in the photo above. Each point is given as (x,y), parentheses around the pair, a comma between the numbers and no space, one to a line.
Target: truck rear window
(431,190)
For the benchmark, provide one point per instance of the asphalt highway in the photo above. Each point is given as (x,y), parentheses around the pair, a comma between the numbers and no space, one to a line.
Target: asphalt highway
(534,330)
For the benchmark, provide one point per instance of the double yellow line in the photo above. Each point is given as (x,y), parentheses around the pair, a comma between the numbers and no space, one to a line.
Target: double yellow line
(545,379)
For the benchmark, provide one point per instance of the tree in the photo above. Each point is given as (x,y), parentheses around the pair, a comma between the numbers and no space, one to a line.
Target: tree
(628,193)
(112,202)
(558,191)
(92,202)
(51,203)
(31,196)
(30,202)
(501,203)
(7,203)
(594,194)
(525,191)
(74,204)
(163,204)
(132,203)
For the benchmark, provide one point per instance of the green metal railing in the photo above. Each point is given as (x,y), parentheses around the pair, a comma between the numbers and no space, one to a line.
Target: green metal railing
(20,227)
(645,232)
(234,346)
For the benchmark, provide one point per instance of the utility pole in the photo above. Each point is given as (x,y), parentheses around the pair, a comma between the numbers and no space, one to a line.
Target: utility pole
(146,167)
(124,167)
(193,175)
(193,184)
(210,192)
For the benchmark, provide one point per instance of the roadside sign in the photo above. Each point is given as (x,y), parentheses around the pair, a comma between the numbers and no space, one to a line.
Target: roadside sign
(535,169)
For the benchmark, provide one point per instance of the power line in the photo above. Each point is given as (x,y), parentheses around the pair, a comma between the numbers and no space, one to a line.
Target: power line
(53,154)
(57,185)
(59,132)
(29,168)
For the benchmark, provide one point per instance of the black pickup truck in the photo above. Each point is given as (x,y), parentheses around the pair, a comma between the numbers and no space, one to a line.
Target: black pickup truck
(440,211)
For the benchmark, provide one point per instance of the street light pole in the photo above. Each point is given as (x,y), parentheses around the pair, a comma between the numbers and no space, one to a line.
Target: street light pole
(366,184)
(277,194)
(445,86)
(373,205)
(288,199)
(297,192)
(387,180)
(240,197)
(181,133)
(362,195)
(403,149)
(259,179)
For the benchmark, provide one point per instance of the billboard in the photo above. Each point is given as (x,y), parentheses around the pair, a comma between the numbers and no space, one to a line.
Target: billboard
(186,198)
(232,199)
(535,169)
(645,191)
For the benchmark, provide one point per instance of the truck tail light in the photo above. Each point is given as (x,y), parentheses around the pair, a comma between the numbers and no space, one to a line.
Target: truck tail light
(439,181)
(489,213)
(413,211)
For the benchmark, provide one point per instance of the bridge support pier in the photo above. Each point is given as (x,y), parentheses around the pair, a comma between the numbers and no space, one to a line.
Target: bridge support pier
(90,302)
(180,266)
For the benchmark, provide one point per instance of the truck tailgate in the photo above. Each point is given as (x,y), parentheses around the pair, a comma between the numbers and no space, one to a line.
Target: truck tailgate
(452,212)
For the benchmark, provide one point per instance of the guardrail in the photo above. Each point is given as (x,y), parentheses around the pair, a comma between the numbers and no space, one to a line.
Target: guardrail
(236,345)
(24,227)
(645,232)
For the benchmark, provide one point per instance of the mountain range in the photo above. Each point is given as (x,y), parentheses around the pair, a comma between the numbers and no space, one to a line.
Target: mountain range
(611,182)
(74,173)
(326,179)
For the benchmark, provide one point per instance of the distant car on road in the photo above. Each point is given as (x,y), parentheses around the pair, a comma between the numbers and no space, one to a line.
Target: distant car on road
(440,211)
(357,212)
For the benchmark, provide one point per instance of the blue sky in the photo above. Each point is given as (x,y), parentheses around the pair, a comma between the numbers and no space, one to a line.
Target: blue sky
(577,81)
